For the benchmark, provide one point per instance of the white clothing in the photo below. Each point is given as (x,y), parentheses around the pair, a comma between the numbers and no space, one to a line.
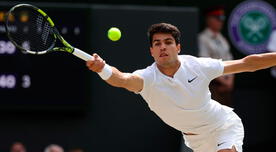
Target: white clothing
(272,42)
(214,46)
(184,101)
(225,137)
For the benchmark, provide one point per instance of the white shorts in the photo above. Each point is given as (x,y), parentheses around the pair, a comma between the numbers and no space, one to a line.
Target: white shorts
(225,137)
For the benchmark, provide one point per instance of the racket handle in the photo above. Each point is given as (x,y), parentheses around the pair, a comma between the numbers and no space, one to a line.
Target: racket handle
(79,53)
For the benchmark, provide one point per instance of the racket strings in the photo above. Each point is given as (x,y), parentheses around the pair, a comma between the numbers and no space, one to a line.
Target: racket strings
(33,31)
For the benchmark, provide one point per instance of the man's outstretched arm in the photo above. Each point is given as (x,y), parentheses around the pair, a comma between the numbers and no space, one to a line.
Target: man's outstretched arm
(117,78)
(250,63)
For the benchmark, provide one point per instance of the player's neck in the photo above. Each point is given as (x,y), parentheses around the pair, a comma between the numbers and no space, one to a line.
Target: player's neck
(170,69)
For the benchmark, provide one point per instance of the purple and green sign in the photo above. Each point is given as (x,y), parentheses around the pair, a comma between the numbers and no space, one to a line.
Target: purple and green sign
(250,25)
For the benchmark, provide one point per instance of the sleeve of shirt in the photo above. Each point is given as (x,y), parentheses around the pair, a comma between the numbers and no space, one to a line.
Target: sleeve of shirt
(212,68)
(147,76)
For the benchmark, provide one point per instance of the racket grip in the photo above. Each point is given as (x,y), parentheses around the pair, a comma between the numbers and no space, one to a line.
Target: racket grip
(81,54)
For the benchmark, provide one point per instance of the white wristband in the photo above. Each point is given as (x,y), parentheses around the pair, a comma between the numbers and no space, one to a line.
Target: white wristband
(106,72)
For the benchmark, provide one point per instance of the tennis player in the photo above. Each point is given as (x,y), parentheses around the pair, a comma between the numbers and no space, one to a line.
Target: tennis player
(176,89)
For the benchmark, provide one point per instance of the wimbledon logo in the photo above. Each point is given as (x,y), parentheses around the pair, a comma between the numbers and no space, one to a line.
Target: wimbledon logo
(250,25)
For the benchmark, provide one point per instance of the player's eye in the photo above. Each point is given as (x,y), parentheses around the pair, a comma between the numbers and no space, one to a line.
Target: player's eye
(169,42)
(157,44)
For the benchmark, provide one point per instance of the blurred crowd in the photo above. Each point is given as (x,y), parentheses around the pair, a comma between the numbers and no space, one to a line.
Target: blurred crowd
(212,43)
(20,147)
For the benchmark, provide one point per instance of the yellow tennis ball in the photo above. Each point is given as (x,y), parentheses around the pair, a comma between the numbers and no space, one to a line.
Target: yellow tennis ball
(114,34)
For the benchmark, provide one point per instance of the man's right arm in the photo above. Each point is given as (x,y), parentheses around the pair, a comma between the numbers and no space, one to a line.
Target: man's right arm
(128,81)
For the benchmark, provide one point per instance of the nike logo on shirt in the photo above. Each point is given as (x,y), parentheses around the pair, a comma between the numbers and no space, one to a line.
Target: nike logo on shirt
(191,80)
(220,144)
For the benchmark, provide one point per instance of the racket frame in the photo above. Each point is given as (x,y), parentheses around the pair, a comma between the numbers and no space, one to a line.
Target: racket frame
(68,48)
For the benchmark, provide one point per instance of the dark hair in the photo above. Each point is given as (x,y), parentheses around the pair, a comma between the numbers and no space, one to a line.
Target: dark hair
(164,28)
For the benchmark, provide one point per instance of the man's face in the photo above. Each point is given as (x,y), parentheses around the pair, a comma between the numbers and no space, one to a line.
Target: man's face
(55,149)
(164,49)
(215,23)
(18,147)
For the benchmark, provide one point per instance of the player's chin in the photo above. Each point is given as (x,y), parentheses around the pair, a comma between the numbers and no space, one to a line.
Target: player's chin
(163,61)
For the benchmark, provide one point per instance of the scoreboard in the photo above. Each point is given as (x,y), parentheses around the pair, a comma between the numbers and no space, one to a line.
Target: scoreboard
(55,81)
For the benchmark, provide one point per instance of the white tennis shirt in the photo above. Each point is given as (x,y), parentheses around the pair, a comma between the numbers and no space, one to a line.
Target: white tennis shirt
(184,101)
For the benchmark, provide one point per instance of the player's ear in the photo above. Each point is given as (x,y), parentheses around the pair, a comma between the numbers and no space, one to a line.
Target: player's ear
(151,51)
(178,46)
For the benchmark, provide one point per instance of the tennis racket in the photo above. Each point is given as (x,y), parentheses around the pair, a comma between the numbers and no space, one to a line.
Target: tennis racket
(32,31)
